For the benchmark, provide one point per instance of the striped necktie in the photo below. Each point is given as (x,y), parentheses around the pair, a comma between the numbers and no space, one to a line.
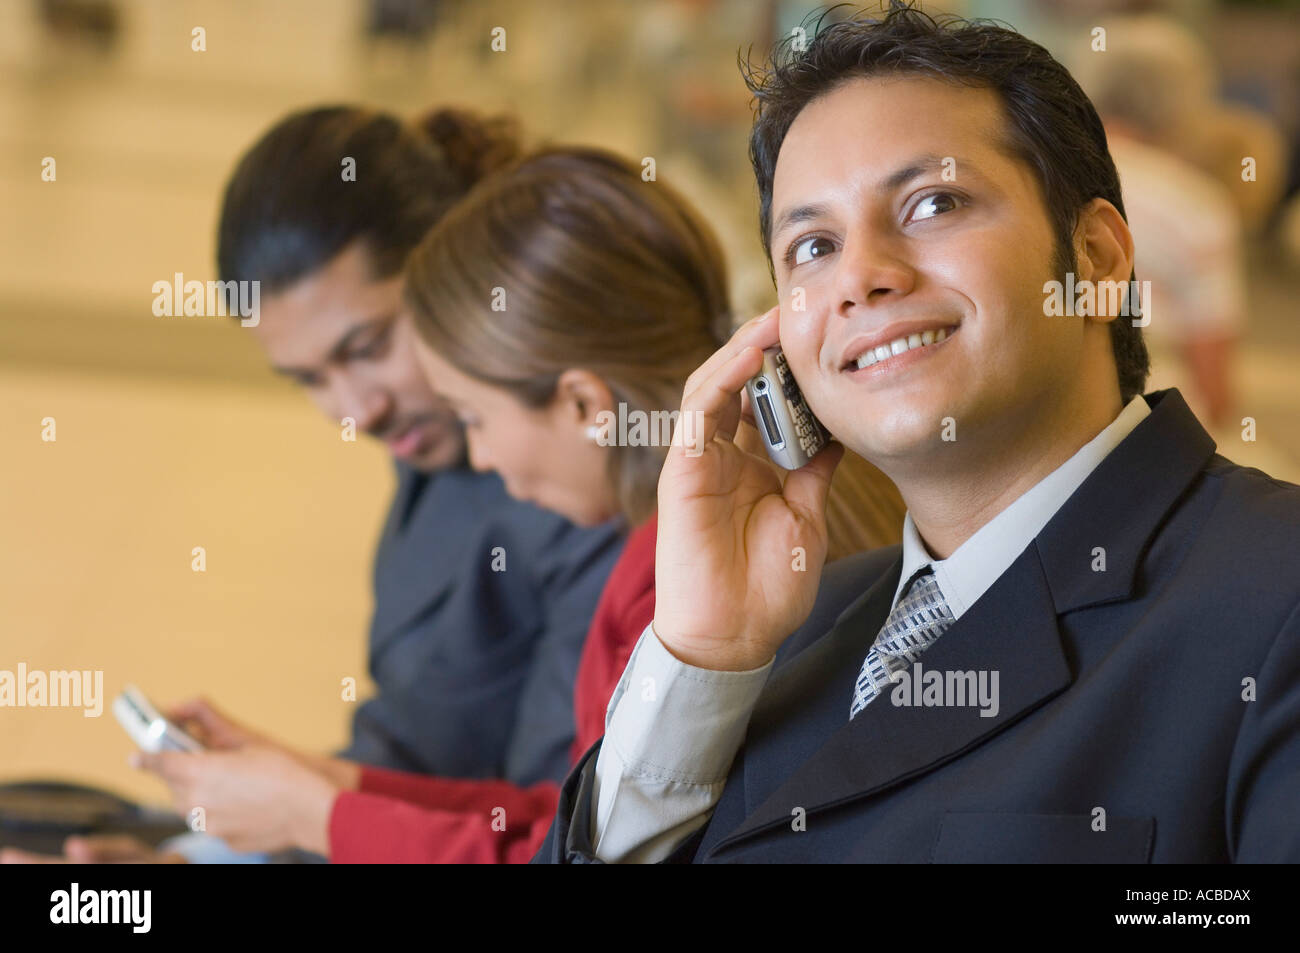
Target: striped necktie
(916,623)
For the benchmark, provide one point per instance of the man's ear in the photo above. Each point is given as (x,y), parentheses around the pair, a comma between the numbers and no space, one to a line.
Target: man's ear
(1103,245)
(581,395)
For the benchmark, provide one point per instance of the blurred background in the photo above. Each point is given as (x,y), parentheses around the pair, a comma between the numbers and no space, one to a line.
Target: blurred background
(172,433)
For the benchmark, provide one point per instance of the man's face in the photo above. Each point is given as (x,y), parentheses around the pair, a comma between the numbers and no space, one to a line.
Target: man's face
(339,333)
(885,248)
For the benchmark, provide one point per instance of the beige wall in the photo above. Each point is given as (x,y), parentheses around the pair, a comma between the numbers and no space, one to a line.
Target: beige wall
(96,566)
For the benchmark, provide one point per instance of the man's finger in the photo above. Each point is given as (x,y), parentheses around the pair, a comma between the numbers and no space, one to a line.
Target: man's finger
(106,849)
(760,332)
(172,766)
(187,710)
(713,408)
(194,709)
(807,488)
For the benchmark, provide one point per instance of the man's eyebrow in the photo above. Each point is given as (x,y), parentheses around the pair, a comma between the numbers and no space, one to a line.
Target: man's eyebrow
(793,216)
(343,343)
(916,167)
(358,329)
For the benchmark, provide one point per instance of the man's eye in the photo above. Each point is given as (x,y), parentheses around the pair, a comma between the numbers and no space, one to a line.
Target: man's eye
(373,348)
(938,203)
(815,246)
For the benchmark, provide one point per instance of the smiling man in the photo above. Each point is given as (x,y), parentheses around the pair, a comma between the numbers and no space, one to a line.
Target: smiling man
(1075,547)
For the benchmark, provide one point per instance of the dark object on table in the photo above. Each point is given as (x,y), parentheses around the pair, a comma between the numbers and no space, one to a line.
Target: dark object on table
(40,815)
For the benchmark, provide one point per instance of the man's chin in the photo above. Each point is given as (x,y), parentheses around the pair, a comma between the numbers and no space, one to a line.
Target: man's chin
(895,440)
(446,455)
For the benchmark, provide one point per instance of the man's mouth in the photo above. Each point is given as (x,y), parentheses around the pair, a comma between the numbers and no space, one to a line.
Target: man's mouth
(878,349)
(408,442)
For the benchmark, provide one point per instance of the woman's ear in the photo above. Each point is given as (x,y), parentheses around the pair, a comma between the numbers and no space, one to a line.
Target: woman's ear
(580,396)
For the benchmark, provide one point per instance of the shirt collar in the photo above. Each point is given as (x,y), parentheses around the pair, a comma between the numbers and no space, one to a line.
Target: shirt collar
(977,563)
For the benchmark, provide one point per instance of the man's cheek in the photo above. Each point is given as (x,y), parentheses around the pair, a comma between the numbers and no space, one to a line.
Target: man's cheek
(834,414)
(801,335)
(800,311)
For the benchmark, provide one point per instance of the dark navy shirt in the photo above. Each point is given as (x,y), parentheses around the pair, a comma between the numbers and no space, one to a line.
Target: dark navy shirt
(482,605)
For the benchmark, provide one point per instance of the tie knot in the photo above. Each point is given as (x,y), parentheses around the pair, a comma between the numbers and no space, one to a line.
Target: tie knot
(920,617)
(922,581)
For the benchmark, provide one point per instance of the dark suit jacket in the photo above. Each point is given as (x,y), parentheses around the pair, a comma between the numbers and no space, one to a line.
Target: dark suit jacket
(474,668)
(1121,692)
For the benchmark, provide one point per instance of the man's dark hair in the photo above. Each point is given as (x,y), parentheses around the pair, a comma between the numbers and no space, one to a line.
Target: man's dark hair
(289,209)
(1053,126)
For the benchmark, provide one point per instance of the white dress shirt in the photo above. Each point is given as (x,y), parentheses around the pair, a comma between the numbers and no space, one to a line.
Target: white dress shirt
(672,730)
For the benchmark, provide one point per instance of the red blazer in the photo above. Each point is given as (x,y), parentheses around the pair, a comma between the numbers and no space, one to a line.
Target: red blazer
(397,817)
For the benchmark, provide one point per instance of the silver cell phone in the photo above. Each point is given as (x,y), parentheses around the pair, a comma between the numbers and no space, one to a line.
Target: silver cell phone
(791,433)
(147,727)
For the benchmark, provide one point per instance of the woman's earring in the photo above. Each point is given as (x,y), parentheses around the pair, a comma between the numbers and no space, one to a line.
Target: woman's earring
(593,433)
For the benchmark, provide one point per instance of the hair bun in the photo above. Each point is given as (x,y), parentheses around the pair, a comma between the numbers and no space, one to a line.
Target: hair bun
(474,145)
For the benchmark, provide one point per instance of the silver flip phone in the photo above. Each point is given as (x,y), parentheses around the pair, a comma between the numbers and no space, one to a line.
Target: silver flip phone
(147,728)
(791,433)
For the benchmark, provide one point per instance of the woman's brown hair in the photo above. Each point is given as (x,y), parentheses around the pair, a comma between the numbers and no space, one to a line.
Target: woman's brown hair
(569,259)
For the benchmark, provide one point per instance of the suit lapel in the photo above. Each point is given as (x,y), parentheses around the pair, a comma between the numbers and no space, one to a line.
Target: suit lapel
(808,698)
(888,743)
(1121,505)
(802,750)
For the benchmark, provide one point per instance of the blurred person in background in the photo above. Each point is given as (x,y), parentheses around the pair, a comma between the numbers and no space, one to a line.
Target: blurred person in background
(616,291)
(1179,153)
(481,602)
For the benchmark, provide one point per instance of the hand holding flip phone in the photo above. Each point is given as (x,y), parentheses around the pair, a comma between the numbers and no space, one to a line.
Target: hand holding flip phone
(147,728)
(791,433)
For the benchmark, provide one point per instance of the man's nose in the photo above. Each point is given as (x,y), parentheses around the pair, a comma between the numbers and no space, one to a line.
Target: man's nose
(366,404)
(871,268)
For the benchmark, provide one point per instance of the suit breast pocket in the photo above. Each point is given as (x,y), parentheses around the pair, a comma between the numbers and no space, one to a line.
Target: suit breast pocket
(977,838)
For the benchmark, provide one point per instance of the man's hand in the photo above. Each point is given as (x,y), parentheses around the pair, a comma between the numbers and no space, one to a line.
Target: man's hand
(214,729)
(727,592)
(95,849)
(253,798)
(217,731)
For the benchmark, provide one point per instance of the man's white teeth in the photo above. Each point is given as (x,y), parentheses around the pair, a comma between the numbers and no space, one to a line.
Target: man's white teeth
(900,345)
